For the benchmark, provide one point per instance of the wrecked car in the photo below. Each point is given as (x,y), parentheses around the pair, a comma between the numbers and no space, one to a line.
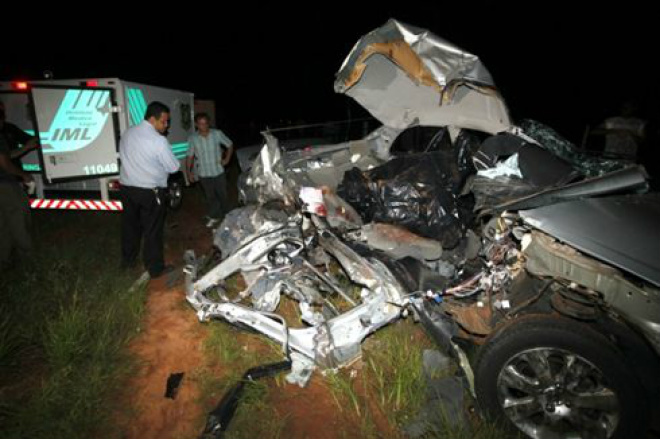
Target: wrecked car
(560,324)
(535,266)
(280,255)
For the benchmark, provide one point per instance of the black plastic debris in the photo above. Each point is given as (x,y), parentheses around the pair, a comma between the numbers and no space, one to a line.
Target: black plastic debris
(173,384)
(553,163)
(443,409)
(220,417)
(416,191)
(489,192)
(421,139)
(444,404)
(465,146)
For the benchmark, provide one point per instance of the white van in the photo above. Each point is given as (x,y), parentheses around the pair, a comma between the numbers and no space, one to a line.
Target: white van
(79,123)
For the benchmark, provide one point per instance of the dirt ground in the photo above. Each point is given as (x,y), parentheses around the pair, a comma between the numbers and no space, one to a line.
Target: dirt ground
(171,341)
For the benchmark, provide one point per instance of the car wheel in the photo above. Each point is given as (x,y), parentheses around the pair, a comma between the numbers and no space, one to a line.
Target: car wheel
(552,377)
(174,195)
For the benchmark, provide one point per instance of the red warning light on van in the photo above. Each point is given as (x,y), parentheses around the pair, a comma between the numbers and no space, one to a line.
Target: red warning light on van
(20,85)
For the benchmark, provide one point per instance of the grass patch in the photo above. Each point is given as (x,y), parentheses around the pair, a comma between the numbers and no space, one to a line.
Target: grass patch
(223,345)
(390,388)
(66,319)
(229,353)
(393,372)
(255,405)
(11,343)
(344,393)
(352,404)
(475,429)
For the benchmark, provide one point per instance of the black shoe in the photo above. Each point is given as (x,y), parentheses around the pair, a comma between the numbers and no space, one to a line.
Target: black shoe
(167,269)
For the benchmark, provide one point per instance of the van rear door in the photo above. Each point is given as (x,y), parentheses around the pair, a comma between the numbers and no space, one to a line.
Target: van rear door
(78,130)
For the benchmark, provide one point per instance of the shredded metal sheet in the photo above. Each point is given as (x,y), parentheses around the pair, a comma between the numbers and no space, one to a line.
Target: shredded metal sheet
(444,61)
(424,80)
(241,225)
(266,176)
(278,260)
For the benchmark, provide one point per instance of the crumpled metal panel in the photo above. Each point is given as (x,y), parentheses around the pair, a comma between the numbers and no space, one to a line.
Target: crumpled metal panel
(622,231)
(276,259)
(444,61)
(278,175)
(266,176)
(246,223)
(630,180)
(423,80)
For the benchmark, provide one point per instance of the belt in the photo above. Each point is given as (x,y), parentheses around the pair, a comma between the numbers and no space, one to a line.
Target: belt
(157,191)
(157,188)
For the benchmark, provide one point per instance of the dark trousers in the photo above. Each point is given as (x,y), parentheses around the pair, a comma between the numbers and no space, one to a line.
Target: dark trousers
(143,216)
(215,190)
(14,222)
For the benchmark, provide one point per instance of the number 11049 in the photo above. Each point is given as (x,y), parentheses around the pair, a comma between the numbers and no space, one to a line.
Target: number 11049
(110,168)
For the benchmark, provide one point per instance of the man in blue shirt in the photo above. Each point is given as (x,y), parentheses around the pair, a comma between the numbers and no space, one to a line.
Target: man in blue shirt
(146,162)
(206,153)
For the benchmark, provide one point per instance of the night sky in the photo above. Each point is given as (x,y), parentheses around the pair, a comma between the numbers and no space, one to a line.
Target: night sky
(552,61)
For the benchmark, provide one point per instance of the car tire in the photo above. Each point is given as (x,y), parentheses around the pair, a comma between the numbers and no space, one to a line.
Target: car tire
(551,376)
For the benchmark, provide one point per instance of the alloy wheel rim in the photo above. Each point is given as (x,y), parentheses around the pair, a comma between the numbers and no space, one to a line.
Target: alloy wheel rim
(551,393)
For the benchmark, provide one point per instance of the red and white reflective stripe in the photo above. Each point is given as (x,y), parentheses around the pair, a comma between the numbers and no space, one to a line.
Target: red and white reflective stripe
(42,203)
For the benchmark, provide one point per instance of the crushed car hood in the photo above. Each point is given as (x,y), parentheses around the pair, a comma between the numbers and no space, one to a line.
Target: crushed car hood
(621,230)
(405,75)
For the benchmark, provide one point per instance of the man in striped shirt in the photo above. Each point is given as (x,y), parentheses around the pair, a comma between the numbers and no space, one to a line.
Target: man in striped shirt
(207,156)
